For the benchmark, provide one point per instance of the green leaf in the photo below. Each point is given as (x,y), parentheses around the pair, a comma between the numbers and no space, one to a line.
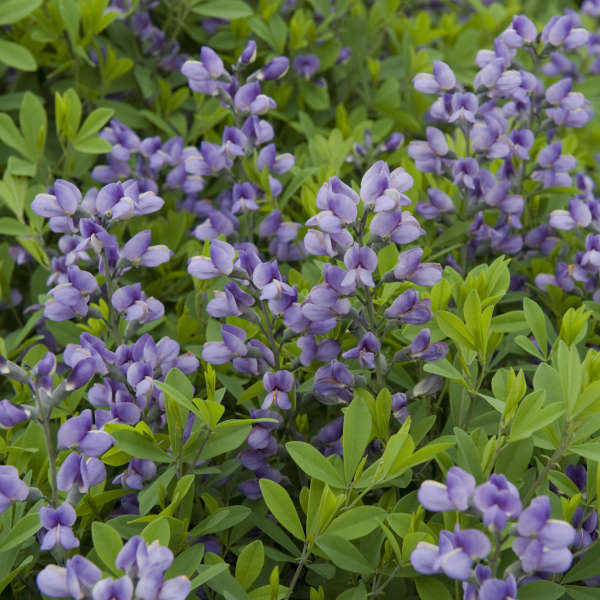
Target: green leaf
(580,592)
(536,319)
(94,123)
(12,11)
(34,124)
(69,13)
(445,369)
(532,415)
(454,328)
(10,226)
(11,136)
(107,543)
(356,436)
(223,518)
(541,589)
(355,593)
(14,572)
(250,563)
(23,530)
(589,450)
(281,506)
(432,589)
(509,322)
(139,446)
(17,56)
(571,374)
(314,464)
(343,554)
(206,573)
(356,522)
(157,530)
(224,9)
(92,145)
(586,566)
(468,454)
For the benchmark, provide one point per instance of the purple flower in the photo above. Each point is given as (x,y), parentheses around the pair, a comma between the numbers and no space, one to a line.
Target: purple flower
(399,407)
(74,580)
(562,31)
(463,107)
(499,589)
(248,55)
(267,278)
(60,206)
(421,347)
(277,386)
(542,542)
(333,381)
(138,470)
(383,190)
(454,495)
(409,267)
(219,263)
(70,299)
(79,471)
(11,487)
(360,262)
(306,65)
(218,353)
(454,556)
(244,198)
(428,154)
(465,170)
(58,523)
(578,475)
(231,302)
(438,203)
(139,252)
(250,99)
(578,215)
(498,500)
(399,226)
(410,309)
(132,301)
(204,75)
(323,351)
(79,431)
(443,79)
(113,589)
(12,414)
(367,349)
(275,69)
(522,31)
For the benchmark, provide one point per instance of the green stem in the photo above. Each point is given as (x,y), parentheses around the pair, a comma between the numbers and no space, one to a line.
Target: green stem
(44,418)
(558,454)
(113,315)
(268,330)
(303,558)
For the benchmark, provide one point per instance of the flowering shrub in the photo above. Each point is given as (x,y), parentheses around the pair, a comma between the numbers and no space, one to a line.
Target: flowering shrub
(299,299)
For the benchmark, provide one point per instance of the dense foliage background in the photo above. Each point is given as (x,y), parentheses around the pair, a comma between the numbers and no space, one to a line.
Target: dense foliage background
(299,299)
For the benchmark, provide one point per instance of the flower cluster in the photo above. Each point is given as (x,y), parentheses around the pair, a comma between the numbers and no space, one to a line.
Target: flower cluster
(144,566)
(540,542)
(489,158)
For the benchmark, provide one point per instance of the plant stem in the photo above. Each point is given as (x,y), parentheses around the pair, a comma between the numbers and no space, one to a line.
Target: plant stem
(44,418)
(303,557)
(113,316)
(558,453)
(268,329)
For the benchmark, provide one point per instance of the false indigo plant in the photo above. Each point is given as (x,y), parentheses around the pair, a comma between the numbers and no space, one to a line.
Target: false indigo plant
(299,303)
